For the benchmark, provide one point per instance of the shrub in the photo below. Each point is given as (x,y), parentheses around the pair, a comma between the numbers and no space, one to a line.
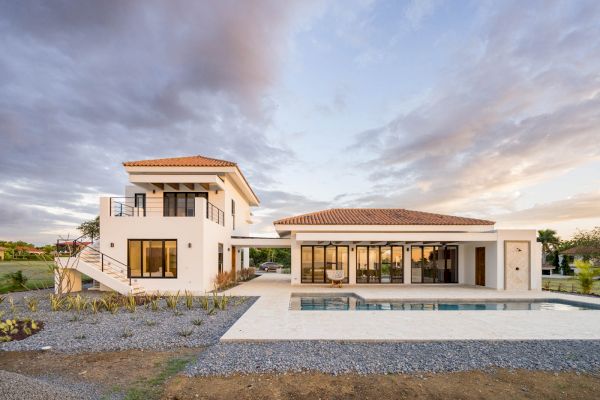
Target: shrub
(197,321)
(154,306)
(95,305)
(172,300)
(17,279)
(585,275)
(247,273)
(56,302)
(110,303)
(204,302)
(189,300)
(223,280)
(130,303)
(186,332)
(32,304)
(14,329)
(126,333)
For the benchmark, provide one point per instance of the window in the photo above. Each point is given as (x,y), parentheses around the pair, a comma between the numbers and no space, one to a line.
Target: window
(152,258)
(315,260)
(220,260)
(379,264)
(233,213)
(434,264)
(181,204)
(140,201)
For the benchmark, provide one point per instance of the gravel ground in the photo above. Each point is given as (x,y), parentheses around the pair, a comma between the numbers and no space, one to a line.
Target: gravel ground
(18,387)
(143,329)
(403,357)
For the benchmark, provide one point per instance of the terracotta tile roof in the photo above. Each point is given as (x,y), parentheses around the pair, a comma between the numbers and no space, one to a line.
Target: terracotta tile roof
(581,251)
(377,216)
(192,161)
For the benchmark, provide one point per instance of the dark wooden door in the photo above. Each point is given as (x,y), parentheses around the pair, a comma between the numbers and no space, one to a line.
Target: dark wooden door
(480,266)
(233,261)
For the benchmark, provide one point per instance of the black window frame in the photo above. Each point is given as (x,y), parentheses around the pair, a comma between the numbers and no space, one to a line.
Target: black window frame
(136,202)
(445,267)
(167,202)
(378,276)
(220,258)
(325,280)
(164,266)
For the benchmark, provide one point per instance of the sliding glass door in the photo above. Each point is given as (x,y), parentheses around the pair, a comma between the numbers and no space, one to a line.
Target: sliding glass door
(315,260)
(434,264)
(379,264)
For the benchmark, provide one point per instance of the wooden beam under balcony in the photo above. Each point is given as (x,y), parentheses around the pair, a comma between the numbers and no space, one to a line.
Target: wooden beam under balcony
(189,185)
(174,185)
(161,186)
(205,186)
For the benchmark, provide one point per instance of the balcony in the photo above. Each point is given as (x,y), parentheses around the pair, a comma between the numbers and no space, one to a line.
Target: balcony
(141,207)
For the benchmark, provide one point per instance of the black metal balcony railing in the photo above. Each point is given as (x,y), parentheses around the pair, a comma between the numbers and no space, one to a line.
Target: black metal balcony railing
(143,207)
(215,214)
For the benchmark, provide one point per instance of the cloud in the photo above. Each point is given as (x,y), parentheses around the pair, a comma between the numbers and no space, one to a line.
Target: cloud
(520,105)
(86,85)
(577,207)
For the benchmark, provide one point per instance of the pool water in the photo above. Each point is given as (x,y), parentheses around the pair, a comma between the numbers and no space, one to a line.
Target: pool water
(350,301)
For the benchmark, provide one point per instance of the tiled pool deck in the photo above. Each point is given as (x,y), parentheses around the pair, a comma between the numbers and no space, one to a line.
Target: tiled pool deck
(271,319)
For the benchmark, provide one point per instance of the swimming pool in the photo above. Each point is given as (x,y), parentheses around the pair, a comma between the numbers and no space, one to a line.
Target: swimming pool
(350,301)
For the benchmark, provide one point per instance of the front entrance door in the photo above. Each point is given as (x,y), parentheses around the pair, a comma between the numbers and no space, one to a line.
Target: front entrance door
(480,266)
(233,261)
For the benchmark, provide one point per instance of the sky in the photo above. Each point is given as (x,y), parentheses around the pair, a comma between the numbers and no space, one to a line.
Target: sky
(484,109)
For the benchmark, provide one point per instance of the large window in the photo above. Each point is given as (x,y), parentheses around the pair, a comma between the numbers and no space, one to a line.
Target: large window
(315,260)
(152,258)
(379,264)
(434,264)
(181,204)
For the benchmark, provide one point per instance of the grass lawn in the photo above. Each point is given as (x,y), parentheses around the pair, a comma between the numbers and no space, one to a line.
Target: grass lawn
(38,273)
(568,285)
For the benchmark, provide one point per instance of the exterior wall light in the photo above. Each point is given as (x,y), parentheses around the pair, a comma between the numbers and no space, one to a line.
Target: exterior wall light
(112,244)
(189,245)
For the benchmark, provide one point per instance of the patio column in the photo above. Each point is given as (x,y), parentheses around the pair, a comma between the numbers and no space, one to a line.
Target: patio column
(352,265)
(407,265)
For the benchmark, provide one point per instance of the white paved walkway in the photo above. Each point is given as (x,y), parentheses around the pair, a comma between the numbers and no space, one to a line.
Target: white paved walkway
(270,318)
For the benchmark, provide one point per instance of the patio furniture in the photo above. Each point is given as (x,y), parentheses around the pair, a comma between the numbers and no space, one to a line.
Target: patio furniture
(336,276)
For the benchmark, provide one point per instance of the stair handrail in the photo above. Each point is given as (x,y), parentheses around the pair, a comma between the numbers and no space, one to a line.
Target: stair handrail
(78,245)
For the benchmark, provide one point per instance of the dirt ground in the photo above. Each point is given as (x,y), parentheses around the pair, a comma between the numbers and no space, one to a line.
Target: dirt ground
(147,375)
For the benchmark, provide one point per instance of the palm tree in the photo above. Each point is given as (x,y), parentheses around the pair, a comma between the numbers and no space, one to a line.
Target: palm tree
(549,241)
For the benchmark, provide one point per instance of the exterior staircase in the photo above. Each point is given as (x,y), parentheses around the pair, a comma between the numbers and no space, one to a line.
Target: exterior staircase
(102,268)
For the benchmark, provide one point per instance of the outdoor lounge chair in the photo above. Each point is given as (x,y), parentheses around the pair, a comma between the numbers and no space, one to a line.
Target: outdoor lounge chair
(336,276)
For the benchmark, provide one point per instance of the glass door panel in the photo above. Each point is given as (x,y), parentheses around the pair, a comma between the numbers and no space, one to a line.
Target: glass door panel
(397,266)
(330,259)
(319,264)
(386,264)
(307,256)
(361,264)
(428,264)
(342,261)
(416,264)
(374,264)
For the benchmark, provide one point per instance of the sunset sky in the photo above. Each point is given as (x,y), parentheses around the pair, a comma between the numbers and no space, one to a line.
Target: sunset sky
(482,109)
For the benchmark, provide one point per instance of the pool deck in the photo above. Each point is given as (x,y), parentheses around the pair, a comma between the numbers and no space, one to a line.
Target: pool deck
(271,319)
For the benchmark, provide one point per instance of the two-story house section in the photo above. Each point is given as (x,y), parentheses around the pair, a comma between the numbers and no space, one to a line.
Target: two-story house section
(172,229)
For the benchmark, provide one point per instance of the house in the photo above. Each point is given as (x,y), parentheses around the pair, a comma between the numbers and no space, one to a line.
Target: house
(581,253)
(2,250)
(172,229)
(184,220)
(387,246)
